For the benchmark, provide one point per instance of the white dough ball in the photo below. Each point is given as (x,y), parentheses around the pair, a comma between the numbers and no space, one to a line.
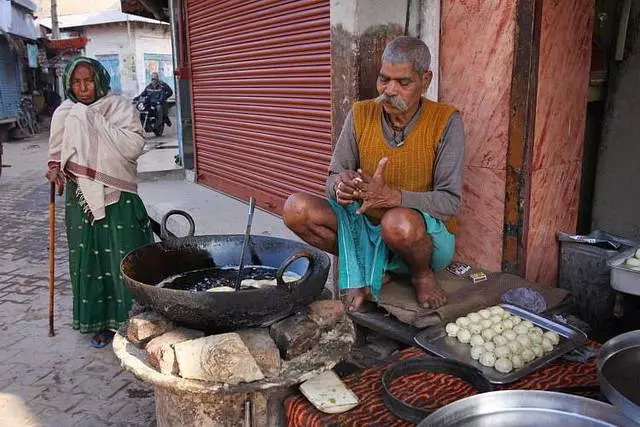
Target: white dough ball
(474,317)
(524,340)
(516,320)
(476,352)
(463,322)
(489,346)
(509,335)
(517,361)
(497,328)
(503,365)
(488,334)
(527,324)
(537,350)
(464,336)
(484,313)
(506,315)
(495,319)
(552,336)
(535,338)
(487,358)
(507,324)
(547,345)
(536,330)
(515,347)
(476,340)
(520,329)
(486,323)
(496,310)
(499,340)
(452,329)
(502,351)
(475,328)
(527,355)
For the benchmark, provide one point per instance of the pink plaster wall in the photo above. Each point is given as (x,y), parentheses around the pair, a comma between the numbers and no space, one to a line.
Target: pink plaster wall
(563,82)
(476,61)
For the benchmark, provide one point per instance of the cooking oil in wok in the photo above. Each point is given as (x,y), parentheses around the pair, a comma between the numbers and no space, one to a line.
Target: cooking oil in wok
(218,277)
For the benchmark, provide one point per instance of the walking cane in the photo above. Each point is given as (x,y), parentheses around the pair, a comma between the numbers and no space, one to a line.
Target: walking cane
(52,241)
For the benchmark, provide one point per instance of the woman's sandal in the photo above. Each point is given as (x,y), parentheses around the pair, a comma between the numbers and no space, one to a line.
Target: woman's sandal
(102,339)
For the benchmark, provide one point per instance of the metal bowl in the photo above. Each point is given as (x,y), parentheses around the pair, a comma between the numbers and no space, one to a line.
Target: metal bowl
(527,408)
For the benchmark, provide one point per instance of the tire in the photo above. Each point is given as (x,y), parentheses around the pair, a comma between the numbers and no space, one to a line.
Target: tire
(159,130)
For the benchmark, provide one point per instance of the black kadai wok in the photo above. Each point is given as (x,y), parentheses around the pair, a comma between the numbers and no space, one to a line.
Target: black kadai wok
(146,268)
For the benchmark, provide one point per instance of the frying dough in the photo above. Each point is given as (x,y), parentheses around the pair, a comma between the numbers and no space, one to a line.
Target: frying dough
(476,341)
(221,289)
(452,329)
(503,365)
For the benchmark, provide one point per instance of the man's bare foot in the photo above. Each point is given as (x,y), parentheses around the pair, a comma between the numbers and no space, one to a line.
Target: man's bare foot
(354,298)
(386,278)
(428,291)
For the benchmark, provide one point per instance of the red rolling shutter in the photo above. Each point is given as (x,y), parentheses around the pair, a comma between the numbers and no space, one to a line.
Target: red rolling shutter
(261,96)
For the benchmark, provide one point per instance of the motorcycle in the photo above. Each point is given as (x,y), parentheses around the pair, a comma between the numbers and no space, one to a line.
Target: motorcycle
(149,115)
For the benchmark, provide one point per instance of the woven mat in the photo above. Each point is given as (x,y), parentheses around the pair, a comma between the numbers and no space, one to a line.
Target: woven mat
(398,297)
(430,390)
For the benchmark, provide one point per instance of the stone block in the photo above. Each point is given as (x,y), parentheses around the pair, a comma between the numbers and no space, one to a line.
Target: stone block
(263,349)
(146,326)
(220,358)
(295,335)
(160,353)
(326,313)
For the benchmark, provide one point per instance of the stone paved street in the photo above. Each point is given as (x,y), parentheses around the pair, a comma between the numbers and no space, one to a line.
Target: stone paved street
(62,381)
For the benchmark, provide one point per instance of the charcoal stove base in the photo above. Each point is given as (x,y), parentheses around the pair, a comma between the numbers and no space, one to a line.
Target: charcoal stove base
(184,402)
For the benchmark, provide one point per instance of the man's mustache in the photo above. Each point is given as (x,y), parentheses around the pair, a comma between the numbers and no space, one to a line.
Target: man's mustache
(395,101)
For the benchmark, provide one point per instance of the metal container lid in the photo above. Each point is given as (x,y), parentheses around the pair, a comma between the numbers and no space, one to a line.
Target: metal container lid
(527,408)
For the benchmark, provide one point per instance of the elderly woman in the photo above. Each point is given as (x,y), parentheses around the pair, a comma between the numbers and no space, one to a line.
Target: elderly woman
(95,140)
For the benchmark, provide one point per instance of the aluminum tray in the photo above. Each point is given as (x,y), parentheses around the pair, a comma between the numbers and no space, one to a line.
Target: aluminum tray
(624,278)
(436,341)
(527,408)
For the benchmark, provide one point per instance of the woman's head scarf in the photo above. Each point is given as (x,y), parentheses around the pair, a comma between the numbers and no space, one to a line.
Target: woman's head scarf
(101,77)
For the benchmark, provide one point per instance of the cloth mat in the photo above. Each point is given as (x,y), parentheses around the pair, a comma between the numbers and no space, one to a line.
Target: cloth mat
(398,297)
(433,390)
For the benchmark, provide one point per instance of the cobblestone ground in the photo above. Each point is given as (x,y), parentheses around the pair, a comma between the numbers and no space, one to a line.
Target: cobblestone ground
(62,381)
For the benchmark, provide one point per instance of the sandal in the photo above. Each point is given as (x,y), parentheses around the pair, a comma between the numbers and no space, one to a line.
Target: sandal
(102,339)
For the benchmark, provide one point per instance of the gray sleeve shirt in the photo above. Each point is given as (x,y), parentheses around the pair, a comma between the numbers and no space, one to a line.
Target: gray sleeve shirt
(444,200)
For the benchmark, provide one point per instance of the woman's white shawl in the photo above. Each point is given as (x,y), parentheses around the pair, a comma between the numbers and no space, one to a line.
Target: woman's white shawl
(99,145)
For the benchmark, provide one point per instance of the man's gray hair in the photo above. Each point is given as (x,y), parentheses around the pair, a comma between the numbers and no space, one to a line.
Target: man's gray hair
(408,50)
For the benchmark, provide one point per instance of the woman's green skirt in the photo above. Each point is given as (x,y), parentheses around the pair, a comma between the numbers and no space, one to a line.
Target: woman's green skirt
(100,299)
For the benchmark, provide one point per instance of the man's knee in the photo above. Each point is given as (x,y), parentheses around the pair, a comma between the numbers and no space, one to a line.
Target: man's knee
(402,226)
(296,210)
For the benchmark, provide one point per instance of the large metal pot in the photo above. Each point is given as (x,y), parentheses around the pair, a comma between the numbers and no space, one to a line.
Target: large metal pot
(145,267)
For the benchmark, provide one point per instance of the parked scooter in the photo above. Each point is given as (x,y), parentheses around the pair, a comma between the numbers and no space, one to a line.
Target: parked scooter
(149,115)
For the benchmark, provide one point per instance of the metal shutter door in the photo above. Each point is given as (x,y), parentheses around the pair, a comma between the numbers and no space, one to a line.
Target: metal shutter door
(9,82)
(261,96)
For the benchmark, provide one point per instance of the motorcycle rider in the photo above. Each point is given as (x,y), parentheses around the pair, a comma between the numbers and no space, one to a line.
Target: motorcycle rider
(158,92)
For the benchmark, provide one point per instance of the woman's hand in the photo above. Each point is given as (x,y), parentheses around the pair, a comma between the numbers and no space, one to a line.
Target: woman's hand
(55,176)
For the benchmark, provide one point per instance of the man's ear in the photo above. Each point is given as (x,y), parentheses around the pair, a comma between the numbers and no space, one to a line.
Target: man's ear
(426,80)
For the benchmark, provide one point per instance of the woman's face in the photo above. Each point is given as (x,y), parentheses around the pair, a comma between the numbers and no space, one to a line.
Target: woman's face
(82,84)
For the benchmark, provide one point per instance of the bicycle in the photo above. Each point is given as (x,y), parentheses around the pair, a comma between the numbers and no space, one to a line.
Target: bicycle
(27,120)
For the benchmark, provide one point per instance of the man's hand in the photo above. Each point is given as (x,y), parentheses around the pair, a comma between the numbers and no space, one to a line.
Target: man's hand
(373,191)
(345,187)
(54,175)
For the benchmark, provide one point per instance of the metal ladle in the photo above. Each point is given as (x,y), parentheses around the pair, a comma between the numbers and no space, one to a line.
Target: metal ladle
(245,243)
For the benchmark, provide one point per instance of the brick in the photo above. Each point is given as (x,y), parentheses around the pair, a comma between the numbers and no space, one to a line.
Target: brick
(326,313)
(146,326)
(160,352)
(294,335)
(263,349)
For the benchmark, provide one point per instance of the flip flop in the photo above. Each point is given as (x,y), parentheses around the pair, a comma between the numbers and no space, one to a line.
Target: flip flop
(101,339)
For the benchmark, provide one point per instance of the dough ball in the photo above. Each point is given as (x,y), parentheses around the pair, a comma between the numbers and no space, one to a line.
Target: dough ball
(495,319)
(489,346)
(506,315)
(476,352)
(547,345)
(452,329)
(463,322)
(535,338)
(464,336)
(552,336)
(484,313)
(527,355)
(497,328)
(516,320)
(496,310)
(509,335)
(520,329)
(536,330)
(527,324)
(524,340)
(500,340)
(537,350)
(476,341)
(503,365)
(475,328)
(507,324)
(502,351)
(474,317)
(487,358)
(488,334)
(515,347)
(517,361)
(486,323)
